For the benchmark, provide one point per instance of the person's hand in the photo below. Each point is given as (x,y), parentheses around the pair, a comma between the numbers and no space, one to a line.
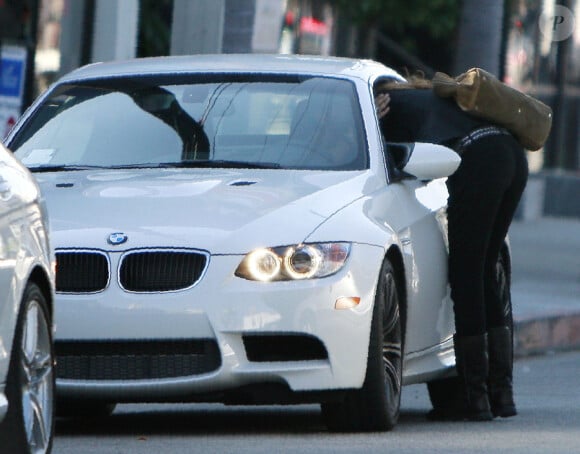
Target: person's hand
(382,101)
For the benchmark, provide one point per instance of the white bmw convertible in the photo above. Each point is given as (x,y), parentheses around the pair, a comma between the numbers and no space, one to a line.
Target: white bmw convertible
(234,228)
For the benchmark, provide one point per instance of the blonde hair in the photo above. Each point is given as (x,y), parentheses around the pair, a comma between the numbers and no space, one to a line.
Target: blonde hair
(413,81)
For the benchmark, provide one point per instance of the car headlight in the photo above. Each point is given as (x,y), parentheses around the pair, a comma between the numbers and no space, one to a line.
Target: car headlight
(301,261)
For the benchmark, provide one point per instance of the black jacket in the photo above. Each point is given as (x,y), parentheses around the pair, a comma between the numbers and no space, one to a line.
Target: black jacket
(419,115)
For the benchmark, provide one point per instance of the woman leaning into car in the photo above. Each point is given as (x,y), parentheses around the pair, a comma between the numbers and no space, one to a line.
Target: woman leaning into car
(483,195)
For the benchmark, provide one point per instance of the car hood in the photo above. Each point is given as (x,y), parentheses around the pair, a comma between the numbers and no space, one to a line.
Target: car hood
(223,211)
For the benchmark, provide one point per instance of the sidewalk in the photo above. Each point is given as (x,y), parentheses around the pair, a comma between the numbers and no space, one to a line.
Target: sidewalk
(546,284)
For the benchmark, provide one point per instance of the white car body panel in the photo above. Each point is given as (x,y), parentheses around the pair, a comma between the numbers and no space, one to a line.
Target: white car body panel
(200,204)
(23,247)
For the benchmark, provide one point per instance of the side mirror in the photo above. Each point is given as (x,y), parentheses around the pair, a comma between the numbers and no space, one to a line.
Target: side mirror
(429,161)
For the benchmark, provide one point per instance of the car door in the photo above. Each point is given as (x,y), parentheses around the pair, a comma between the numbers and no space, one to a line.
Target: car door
(425,249)
(414,209)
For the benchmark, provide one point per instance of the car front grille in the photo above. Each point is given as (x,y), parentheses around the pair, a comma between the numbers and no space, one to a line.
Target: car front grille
(135,360)
(79,271)
(146,270)
(160,271)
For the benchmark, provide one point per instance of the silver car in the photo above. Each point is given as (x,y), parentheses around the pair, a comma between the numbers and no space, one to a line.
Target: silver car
(27,379)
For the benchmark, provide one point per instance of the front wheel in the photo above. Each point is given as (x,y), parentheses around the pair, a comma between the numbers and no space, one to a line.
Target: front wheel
(29,424)
(375,407)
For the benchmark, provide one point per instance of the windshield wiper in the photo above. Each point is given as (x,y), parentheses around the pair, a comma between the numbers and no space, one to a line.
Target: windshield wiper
(209,163)
(204,163)
(63,168)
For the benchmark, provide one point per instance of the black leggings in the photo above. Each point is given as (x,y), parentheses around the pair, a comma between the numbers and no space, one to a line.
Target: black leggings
(484,193)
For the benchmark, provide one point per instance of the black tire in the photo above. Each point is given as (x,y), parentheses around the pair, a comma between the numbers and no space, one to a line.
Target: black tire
(83,409)
(375,407)
(448,392)
(29,424)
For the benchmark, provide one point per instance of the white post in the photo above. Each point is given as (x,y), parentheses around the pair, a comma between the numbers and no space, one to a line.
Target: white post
(71,36)
(198,27)
(115,32)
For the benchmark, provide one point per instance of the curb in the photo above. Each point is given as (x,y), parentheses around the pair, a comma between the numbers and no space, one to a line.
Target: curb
(543,335)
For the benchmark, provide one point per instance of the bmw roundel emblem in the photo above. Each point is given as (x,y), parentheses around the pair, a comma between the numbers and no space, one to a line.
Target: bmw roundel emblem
(117,238)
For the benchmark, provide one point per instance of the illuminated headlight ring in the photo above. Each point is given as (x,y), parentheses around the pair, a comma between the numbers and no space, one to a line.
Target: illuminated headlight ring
(295,262)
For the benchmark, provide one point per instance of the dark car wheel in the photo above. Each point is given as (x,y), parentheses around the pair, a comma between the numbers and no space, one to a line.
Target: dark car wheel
(29,424)
(375,407)
(446,394)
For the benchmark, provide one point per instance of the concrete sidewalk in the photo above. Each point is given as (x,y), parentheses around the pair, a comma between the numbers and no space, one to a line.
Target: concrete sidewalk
(546,284)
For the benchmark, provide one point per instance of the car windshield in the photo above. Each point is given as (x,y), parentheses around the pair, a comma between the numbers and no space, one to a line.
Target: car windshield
(210,121)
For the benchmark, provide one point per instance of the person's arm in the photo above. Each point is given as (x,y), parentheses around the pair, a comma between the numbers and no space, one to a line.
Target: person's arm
(396,117)
(382,101)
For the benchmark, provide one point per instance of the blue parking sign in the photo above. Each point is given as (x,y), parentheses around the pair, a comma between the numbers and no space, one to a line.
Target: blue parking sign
(12,74)
(11,78)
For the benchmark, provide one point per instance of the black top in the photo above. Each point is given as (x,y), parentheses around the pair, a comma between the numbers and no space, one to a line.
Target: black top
(419,115)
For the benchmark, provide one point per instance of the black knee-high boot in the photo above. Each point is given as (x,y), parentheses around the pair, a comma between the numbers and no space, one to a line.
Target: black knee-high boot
(472,365)
(500,386)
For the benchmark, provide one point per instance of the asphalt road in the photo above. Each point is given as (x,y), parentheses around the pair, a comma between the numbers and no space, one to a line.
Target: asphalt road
(547,395)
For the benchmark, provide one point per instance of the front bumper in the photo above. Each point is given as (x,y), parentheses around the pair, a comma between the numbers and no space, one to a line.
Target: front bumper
(226,310)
